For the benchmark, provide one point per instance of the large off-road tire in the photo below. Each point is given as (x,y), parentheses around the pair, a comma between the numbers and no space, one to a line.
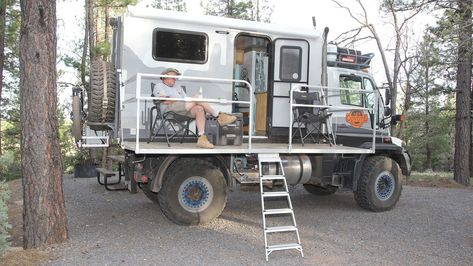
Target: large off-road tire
(379,186)
(193,192)
(320,191)
(76,118)
(102,93)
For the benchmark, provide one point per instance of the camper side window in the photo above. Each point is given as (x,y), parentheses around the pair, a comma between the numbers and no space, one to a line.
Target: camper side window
(291,63)
(351,97)
(180,46)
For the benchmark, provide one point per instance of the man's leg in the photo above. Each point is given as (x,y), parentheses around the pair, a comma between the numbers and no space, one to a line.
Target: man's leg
(222,118)
(206,107)
(198,112)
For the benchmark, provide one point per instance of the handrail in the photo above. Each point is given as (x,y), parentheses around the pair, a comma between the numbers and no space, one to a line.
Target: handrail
(329,107)
(138,98)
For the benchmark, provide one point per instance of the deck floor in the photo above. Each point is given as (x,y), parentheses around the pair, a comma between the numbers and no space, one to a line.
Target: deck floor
(191,148)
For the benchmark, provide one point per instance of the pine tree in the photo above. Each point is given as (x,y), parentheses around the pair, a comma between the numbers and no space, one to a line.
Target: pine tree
(257,10)
(176,5)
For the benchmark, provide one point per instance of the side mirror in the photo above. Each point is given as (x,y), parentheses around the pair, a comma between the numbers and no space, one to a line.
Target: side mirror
(388,96)
(396,118)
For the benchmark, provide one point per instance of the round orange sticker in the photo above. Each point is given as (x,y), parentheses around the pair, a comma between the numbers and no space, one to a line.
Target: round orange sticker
(356,118)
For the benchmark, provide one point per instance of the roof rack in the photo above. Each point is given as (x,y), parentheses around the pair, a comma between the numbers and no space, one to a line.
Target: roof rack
(347,58)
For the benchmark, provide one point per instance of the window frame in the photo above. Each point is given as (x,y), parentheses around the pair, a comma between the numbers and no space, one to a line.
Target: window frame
(362,98)
(176,60)
(281,63)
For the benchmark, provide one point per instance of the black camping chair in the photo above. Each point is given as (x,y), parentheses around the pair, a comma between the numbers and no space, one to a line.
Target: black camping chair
(311,118)
(179,124)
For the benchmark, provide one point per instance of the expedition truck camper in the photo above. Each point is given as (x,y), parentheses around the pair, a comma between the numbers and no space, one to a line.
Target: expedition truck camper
(259,72)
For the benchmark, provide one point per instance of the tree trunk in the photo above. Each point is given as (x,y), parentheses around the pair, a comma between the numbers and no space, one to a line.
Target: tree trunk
(463,91)
(44,215)
(428,151)
(106,29)
(91,27)
(3,8)
(85,47)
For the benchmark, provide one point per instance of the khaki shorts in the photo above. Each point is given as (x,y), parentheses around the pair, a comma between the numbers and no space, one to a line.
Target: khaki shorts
(178,108)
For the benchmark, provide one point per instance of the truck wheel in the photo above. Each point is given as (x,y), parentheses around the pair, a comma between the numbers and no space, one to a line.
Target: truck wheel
(101,94)
(379,186)
(76,119)
(320,191)
(193,192)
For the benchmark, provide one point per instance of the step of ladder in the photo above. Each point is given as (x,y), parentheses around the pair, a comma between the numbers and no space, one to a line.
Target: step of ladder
(268,158)
(277,211)
(277,229)
(277,195)
(272,177)
(284,247)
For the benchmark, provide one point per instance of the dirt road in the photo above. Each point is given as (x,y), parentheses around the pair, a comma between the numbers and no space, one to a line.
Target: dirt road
(429,226)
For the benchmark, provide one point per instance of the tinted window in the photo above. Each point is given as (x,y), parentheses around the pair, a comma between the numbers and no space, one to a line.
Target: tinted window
(291,60)
(351,97)
(179,46)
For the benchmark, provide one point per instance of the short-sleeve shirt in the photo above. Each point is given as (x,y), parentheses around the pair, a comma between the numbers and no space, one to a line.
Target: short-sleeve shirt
(163,90)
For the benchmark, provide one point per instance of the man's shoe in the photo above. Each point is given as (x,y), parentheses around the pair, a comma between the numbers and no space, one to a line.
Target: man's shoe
(224,119)
(203,142)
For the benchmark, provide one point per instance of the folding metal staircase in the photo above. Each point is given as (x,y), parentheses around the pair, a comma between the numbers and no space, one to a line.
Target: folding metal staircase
(283,195)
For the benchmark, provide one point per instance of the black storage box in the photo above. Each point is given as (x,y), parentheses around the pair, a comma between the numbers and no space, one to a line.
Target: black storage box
(231,134)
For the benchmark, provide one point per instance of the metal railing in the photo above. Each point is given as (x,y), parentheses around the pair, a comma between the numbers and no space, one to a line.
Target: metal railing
(104,142)
(138,98)
(324,97)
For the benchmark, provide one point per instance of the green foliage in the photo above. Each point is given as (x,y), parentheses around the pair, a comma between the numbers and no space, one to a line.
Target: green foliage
(102,49)
(176,5)
(4,226)
(257,10)
(66,141)
(430,124)
(10,166)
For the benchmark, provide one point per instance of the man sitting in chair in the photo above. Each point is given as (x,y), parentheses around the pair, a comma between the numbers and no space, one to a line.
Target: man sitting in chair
(195,110)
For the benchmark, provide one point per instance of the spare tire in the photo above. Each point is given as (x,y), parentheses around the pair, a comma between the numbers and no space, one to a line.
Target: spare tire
(101,94)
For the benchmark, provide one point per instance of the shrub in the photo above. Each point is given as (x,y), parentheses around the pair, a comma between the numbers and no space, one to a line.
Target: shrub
(4,226)
(9,166)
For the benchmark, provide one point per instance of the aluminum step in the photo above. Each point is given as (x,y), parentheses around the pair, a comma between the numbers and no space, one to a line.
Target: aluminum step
(284,247)
(269,158)
(275,194)
(277,211)
(277,229)
(272,177)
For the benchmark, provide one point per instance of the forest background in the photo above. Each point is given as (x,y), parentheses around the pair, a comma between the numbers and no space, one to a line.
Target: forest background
(418,42)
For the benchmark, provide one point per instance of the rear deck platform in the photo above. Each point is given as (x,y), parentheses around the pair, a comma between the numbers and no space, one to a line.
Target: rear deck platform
(191,148)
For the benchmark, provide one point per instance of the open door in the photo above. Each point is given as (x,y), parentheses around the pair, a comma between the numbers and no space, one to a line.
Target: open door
(251,64)
(291,66)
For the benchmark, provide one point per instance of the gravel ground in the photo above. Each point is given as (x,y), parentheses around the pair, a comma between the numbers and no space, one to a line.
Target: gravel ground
(429,226)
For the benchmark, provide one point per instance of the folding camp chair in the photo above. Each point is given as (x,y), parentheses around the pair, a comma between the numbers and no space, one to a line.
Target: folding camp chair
(310,121)
(165,121)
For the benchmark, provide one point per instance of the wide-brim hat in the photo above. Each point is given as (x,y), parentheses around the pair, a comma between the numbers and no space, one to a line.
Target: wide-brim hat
(169,70)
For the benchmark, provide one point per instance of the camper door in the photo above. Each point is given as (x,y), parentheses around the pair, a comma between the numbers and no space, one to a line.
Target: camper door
(291,66)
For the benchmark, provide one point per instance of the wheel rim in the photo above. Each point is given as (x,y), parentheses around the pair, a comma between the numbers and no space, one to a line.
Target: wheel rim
(384,185)
(195,194)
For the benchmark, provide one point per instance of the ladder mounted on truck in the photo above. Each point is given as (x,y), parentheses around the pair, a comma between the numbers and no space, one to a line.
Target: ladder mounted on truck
(282,196)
